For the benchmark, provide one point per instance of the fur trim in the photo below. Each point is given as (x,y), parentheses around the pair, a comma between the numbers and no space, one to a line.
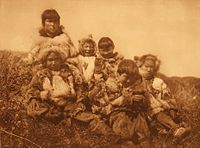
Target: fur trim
(52,48)
(83,41)
(44,34)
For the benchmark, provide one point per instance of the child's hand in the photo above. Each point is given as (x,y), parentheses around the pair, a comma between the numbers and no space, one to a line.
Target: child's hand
(44,94)
(81,107)
(73,93)
(34,109)
(106,109)
(127,93)
(165,105)
(60,101)
(119,101)
(98,76)
(95,108)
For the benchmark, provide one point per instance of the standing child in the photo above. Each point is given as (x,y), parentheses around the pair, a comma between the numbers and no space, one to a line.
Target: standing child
(160,101)
(87,49)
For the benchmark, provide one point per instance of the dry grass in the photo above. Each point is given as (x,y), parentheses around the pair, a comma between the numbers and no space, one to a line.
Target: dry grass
(18,130)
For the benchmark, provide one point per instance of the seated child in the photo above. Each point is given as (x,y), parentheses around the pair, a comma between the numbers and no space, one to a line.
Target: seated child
(107,60)
(128,116)
(160,101)
(54,92)
(105,68)
(53,89)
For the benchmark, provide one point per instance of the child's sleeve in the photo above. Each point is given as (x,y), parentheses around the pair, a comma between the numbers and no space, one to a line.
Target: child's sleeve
(129,93)
(118,101)
(71,85)
(34,88)
(77,82)
(98,66)
(73,51)
(132,96)
(31,55)
(96,90)
(77,74)
(34,107)
(35,47)
(164,95)
(93,92)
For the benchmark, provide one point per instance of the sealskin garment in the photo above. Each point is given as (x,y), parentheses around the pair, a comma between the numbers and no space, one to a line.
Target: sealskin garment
(43,41)
(129,118)
(107,66)
(61,97)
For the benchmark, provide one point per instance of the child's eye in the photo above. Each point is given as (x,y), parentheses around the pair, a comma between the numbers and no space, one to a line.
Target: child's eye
(50,59)
(86,46)
(103,50)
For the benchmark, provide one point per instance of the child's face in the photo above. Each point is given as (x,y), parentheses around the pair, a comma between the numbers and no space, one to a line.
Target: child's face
(147,69)
(53,61)
(88,49)
(51,26)
(106,52)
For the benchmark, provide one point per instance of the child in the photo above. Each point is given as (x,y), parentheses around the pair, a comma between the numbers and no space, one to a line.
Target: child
(107,60)
(51,34)
(105,68)
(52,92)
(87,49)
(128,118)
(159,95)
(102,94)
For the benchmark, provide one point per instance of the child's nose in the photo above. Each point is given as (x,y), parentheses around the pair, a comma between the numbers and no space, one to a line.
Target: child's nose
(53,62)
(88,48)
(149,69)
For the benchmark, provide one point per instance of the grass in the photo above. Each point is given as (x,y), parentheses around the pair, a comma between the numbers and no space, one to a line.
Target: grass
(18,130)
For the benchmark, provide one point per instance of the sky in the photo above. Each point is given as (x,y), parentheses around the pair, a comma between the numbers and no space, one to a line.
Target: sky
(167,28)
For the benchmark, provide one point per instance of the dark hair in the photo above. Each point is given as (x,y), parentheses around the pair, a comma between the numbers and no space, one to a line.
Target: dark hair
(50,14)
(105,42)
(141,60)
(129,67)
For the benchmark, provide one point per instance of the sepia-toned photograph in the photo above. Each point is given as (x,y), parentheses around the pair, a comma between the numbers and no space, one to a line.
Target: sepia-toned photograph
(100,74)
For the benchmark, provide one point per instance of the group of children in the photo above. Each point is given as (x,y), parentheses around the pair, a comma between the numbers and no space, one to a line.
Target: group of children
(97,86)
